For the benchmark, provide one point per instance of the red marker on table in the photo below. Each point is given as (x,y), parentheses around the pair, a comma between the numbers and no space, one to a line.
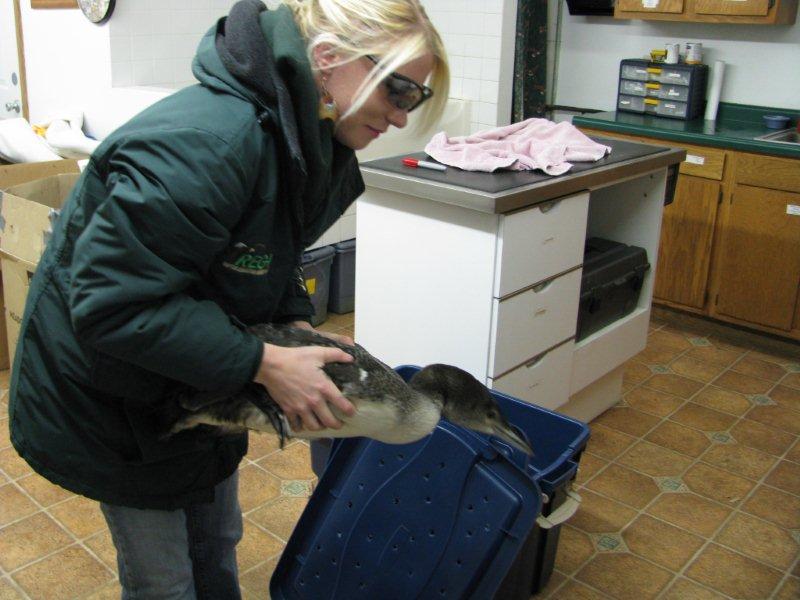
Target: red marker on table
(423,164)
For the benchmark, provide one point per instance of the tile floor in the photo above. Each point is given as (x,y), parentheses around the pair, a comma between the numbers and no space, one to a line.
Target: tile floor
(690,485)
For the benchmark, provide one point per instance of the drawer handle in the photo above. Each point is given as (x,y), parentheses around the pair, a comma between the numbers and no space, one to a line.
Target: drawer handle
(546,207)
(535,361)
(540,312)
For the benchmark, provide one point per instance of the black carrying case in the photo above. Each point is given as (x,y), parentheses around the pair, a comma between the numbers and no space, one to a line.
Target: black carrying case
(612,279)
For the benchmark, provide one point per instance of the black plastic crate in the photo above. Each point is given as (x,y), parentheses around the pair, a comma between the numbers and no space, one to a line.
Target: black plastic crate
(317,276)
(613,274)
(343,278)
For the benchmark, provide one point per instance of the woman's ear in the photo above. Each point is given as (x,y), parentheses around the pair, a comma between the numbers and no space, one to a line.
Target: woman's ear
(324,57)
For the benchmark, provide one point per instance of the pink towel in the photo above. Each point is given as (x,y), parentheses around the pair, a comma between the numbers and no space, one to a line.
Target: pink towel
(527,145)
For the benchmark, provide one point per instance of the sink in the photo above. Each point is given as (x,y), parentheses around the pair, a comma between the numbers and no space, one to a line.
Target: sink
(785,136)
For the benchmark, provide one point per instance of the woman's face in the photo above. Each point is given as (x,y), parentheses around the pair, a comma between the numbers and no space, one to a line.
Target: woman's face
(377,113)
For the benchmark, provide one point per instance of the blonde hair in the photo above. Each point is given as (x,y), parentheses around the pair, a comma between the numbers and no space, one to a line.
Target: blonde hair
(394,31)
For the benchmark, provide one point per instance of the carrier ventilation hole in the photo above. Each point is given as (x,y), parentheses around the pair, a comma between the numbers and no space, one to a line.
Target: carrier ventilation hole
(441,465)
(381,462)
(319,548)
(358,565)
(458,562)
(443,591)
(397,500)
(470,507)
(469,533)
(486,499)
(339,534)
(426,476)
(427,499)
(400,457)
(395,548)
(432,533)
(411,538)
(349,504)
(487,527)
(411,573)
(333,561)
(316,574)
(360,486)
(362,585)
(370,537)
(302,582)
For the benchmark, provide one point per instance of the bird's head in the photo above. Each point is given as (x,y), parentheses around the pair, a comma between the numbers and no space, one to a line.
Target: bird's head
(466,402)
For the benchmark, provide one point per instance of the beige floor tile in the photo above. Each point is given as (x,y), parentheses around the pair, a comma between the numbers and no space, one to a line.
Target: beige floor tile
(774,505)
(683,589)
(68,574)
(755,367)
(573,590)
(665,545)
(110,591)
(670,338)
(794,452)
(657,354)
(786,476)
(624,576)
(677,385)
(760,540)
(690,512)
(723,400)
(280,516)
(29,539)
(80,515)
(555,581)
(41,490)
(792,380)
(740,460)
(293,462)
(601,515)
(704,419)
(679,438)
(635,372)
(625,485)
(627,420)
(12,464)
(261,444)
(14,504)
(744,384)
(606,442)
(713,354)
(256,546)
(778,417)
(696,369)
(588,466)
(103,546)
(654,460)
(790,590)
(653,402)
(256,581)
(9,592)
(717,484)
(786,397)
(762,437)
(733,574)
(5,436)
(256,487)
(574,549)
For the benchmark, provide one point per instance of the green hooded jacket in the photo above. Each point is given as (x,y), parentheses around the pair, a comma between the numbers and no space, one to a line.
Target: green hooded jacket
(188,221)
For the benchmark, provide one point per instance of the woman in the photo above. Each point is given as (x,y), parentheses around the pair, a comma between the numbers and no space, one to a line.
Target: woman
(189,221)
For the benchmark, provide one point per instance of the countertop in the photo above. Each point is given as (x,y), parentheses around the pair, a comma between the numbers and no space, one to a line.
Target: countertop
(735,128)
(505,191)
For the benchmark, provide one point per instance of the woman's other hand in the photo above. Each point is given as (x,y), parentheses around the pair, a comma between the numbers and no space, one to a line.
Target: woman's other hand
(295,380)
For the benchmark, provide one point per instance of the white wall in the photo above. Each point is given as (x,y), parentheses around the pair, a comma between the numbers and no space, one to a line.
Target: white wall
(66,59)
(762,62)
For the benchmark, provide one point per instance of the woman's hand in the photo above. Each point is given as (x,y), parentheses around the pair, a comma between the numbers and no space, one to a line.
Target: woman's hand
(342,339)
(295,380)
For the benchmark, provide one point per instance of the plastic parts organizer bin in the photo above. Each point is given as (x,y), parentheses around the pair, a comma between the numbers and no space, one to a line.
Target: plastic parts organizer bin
(613,274)
(676,91)
(317,276)
(444,517)
(343,278)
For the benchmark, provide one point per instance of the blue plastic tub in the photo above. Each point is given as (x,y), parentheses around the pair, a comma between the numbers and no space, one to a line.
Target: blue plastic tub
(446,517)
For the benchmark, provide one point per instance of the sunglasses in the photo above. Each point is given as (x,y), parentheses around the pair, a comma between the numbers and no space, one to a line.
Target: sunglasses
(404,93)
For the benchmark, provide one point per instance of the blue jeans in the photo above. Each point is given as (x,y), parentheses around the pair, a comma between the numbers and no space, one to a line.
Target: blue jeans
(183,554)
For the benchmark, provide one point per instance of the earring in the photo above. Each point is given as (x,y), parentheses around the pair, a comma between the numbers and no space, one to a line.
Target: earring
(327,105)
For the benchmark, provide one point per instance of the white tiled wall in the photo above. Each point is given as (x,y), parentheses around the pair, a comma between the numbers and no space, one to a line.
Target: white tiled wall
(153,42)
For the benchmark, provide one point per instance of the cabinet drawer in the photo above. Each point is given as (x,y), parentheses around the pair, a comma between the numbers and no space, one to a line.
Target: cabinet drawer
(529,323)
(540,242)
(756,8)
(703,162)
(768,172)
(543,381)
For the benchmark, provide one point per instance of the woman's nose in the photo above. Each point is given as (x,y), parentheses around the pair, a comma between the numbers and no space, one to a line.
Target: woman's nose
(398,117)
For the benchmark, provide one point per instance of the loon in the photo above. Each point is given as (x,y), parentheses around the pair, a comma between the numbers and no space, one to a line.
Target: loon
(387,408)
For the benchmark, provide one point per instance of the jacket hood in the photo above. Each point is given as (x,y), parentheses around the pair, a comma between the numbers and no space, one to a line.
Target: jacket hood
(260,56)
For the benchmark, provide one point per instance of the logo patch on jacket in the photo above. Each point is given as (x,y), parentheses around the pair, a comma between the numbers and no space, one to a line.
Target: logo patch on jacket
(253,260)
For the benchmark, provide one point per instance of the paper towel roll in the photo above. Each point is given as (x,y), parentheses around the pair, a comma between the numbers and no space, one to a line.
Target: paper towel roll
(714,90)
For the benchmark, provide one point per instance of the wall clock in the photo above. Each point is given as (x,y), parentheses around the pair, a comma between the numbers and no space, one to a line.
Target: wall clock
(97,11)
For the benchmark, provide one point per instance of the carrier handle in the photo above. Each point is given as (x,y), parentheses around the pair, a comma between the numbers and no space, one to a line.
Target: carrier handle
(562,513)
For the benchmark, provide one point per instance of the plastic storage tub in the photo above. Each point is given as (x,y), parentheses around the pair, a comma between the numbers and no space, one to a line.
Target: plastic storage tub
(317,276)
(675,91)
(612,279)
(343,278)
(450,516)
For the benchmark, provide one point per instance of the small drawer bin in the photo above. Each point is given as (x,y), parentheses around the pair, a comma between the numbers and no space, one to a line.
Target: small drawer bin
(670,75)
(679,93)
(665,108)
(681,86)
(635,72)
(632,88)
(631,103)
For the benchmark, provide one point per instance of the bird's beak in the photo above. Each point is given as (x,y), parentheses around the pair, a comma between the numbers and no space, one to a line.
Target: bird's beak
(507,434)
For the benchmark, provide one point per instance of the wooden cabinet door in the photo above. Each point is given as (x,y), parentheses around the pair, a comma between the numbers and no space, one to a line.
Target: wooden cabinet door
(752,8)
(687,231)
(759,264)
(656,6)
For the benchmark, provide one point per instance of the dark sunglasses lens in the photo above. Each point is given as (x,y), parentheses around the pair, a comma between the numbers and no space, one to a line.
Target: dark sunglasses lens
(403,94)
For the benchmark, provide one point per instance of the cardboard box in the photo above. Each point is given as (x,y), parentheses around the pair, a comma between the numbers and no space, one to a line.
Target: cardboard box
(27,213)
